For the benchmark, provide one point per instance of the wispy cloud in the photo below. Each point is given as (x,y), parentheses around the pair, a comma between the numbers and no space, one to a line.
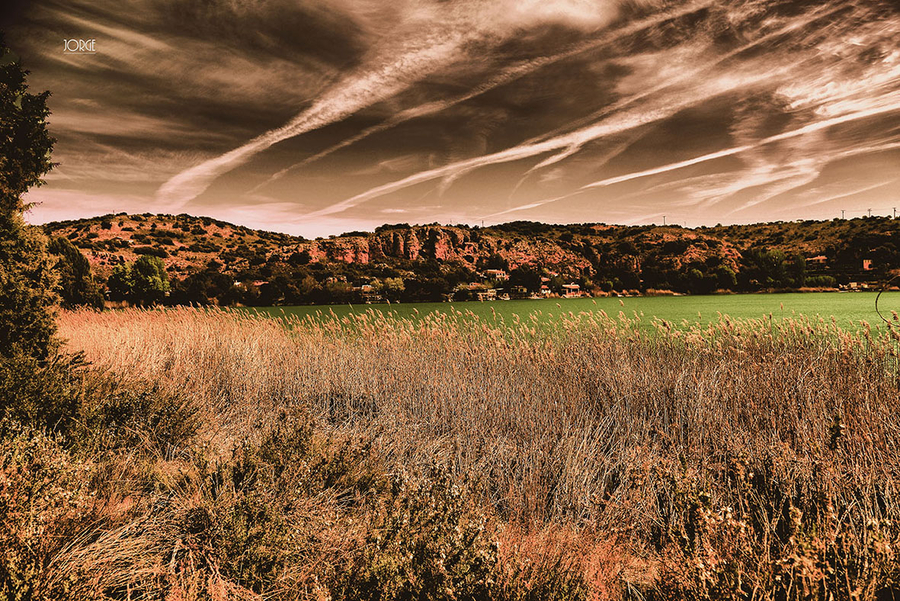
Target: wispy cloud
(507,75)
(395,68)
(625,121)
(890,105)
(568,109)
(634,110)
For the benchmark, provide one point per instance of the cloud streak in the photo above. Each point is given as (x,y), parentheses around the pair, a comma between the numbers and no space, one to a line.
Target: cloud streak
(891,105)
(508,75)
(615,125)
(396,70)
(613,119)
(627,108)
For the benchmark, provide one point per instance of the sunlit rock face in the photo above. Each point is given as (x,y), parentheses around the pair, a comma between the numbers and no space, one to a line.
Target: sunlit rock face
(321,117)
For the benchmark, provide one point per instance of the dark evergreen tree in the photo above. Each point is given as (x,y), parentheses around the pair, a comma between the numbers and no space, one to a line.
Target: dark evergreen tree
(76,283)
(27,280)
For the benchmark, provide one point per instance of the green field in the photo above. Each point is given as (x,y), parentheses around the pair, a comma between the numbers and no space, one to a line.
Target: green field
(847,308)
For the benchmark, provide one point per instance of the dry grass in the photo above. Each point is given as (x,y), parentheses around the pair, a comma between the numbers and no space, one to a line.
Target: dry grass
(734,461)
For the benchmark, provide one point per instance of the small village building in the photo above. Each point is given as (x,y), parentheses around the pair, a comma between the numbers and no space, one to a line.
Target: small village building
(519,292)
(571,290)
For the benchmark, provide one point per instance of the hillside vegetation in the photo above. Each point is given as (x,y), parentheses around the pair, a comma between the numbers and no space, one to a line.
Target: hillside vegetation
(212,261)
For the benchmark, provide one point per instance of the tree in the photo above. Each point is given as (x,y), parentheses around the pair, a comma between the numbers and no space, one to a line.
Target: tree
(25,144)
(27,297)
(208,286)
(527,277)
(76,283)
(390,288)
(763,268)
(145,282)
(27,281)
(726,278)
(796,271)
(119,286)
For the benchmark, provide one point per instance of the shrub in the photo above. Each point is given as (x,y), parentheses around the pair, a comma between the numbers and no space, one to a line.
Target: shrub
(116,415)
(153,251)
(27,300)
(45,394)
(44,506)
(427,542)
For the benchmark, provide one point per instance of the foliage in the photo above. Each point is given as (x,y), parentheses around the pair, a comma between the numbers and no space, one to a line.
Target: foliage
(145,282)
(42,393)
(527,277)
(76,283)
(26,278)
(25,144)
(224,264)
(114,415)
(426,544)
(27,300)
(391,288)
(749,459)
(44,505)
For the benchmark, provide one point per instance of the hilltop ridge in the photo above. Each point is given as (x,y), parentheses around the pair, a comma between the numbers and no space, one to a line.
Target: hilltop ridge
(212,260)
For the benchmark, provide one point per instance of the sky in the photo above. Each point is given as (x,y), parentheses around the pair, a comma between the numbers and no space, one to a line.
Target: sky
(316,117)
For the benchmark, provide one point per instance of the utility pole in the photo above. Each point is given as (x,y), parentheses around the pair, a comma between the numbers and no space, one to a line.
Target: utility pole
(870,212)
(842,214)
(895,212)
(664,217)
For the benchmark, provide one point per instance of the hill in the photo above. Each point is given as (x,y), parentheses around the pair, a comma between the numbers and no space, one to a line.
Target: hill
(214,261)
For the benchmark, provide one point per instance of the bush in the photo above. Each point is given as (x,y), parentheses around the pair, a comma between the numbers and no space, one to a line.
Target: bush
(43,394)
(113,415)
(152,251)
(427,543)
(44,506)
(27,299)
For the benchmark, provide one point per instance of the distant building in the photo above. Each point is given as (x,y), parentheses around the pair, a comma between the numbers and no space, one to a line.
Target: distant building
(571,290)
(519,292)
(817,260)
(495,274)
(487,295)
(867,265)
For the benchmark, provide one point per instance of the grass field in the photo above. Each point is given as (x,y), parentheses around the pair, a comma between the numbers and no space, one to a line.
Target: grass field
(444,457)
(849,309)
